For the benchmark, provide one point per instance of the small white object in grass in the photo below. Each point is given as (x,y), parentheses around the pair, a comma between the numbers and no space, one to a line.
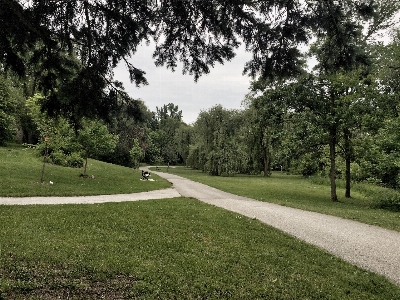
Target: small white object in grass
(51,182)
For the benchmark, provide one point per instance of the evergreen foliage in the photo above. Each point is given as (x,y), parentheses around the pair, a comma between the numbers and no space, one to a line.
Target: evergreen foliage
(74,45)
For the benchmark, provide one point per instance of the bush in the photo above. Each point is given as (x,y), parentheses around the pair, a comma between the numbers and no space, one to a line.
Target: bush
(74,160)
(388,199)
(306,167)
(361,172)
(58,158)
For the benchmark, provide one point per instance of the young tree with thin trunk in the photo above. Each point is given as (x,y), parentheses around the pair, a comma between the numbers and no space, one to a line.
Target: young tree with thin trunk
(95,140)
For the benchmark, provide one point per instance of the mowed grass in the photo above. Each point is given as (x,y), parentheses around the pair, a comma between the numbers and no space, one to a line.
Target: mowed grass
(21,170)
(160,249)
(166,249)
(298,192)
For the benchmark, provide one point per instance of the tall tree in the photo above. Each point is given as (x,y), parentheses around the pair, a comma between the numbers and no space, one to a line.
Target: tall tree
(357,100)
(381,157)
(130,122)
(10,103)
(216,145)
(183,138)
(337,49)
(267,120)
(168,119)
(344,57)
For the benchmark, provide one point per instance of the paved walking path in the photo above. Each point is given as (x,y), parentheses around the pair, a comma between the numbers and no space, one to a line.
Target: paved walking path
(158,194)
(369,247)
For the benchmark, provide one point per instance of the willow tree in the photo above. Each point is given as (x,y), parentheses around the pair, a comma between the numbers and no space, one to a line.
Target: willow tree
(217,147)
(266,113)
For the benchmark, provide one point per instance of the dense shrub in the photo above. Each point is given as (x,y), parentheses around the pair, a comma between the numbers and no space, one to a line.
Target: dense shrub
(307,165)
(58,158)
(73,160)
(119,157)
(388,199)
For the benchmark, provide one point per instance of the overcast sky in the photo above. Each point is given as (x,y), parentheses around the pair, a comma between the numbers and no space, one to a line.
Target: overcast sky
(224,85)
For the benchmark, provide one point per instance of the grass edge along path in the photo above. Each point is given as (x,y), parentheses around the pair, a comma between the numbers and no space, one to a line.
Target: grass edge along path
(20,174)
(166,249)
(297,192)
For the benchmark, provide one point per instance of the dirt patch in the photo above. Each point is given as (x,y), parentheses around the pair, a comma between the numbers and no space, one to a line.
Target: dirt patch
(54,283)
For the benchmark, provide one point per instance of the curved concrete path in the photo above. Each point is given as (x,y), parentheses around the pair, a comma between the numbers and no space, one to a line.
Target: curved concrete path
(369,247)
(158,194)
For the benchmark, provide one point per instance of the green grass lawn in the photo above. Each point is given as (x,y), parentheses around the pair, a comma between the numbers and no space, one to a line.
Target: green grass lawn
(166,249)
(298,192)
(159,249)
(21,169)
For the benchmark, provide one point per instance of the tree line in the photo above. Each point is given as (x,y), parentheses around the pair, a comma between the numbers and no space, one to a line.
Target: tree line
(342,124)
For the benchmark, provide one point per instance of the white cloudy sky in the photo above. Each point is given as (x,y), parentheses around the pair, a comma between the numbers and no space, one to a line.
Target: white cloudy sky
(224,85)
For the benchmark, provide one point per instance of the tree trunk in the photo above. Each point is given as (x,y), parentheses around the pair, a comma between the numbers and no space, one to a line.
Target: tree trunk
(89,31)
(84,170)
(267,162)
(332,156)
(348,179)
(44,163)
(348,155)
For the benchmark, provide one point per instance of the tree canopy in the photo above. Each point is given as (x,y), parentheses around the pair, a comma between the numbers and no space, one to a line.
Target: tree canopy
(73,45)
